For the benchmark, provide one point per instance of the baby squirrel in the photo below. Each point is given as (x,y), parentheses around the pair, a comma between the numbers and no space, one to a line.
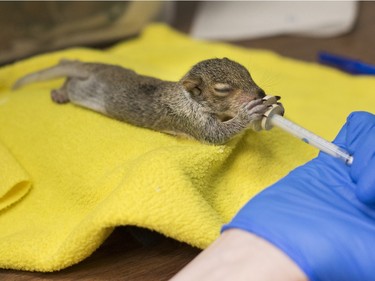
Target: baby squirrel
(213,102)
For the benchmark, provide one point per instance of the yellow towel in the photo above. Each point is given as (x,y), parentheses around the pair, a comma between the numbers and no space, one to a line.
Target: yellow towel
(68,176)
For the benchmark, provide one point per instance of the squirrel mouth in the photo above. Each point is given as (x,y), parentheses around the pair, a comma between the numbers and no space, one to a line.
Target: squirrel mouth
(225,117)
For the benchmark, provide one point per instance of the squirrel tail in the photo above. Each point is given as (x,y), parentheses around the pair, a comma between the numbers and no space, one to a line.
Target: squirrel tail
(67,68)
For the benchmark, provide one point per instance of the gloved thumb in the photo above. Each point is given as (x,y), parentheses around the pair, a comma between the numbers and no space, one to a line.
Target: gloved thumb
(357,125)
(361,141)
(362,170)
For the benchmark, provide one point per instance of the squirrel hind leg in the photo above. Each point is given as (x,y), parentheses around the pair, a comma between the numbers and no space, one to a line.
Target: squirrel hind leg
(60,95)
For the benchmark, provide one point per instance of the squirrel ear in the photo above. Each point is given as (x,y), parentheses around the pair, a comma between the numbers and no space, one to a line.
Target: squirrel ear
(191,85)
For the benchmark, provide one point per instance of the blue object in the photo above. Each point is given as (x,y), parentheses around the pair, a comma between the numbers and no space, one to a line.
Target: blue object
(322,214)
(346,64)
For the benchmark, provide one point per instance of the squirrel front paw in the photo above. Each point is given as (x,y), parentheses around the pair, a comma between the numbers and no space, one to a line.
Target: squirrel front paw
(253,111)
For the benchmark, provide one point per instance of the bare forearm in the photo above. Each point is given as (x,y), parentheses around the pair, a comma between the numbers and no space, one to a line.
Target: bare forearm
(239,255)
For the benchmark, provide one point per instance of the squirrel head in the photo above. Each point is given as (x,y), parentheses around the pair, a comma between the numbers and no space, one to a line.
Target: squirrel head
(222,86)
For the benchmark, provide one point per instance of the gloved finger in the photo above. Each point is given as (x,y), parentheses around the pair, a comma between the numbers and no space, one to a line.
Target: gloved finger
(366,184)
(340,139)
(358,124)
(363,169)
(363,155)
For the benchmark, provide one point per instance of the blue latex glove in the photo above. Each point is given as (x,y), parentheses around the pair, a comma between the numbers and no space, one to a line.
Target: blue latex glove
(322,214)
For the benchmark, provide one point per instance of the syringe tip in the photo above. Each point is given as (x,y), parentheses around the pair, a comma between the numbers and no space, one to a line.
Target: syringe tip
(349,160)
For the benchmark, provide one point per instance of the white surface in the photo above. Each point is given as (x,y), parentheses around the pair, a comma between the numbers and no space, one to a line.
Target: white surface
(233,20)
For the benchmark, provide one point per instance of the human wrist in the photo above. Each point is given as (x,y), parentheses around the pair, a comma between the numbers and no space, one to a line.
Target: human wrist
(240,255)
(261,259)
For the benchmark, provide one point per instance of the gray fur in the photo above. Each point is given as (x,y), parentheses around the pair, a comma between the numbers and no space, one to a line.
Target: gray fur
(214,101)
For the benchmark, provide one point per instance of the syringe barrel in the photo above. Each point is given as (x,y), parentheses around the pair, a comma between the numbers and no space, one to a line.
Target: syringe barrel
(311,138)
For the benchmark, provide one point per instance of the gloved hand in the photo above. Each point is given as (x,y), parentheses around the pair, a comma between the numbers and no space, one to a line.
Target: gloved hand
(322,214)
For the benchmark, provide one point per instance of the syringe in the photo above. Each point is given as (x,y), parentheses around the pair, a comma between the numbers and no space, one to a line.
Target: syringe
(273,117)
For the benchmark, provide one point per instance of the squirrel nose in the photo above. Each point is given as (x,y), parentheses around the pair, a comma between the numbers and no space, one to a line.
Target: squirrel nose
(260,93)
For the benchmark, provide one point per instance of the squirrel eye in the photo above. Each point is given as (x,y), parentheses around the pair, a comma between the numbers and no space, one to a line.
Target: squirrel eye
(196,91)
(223,89)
